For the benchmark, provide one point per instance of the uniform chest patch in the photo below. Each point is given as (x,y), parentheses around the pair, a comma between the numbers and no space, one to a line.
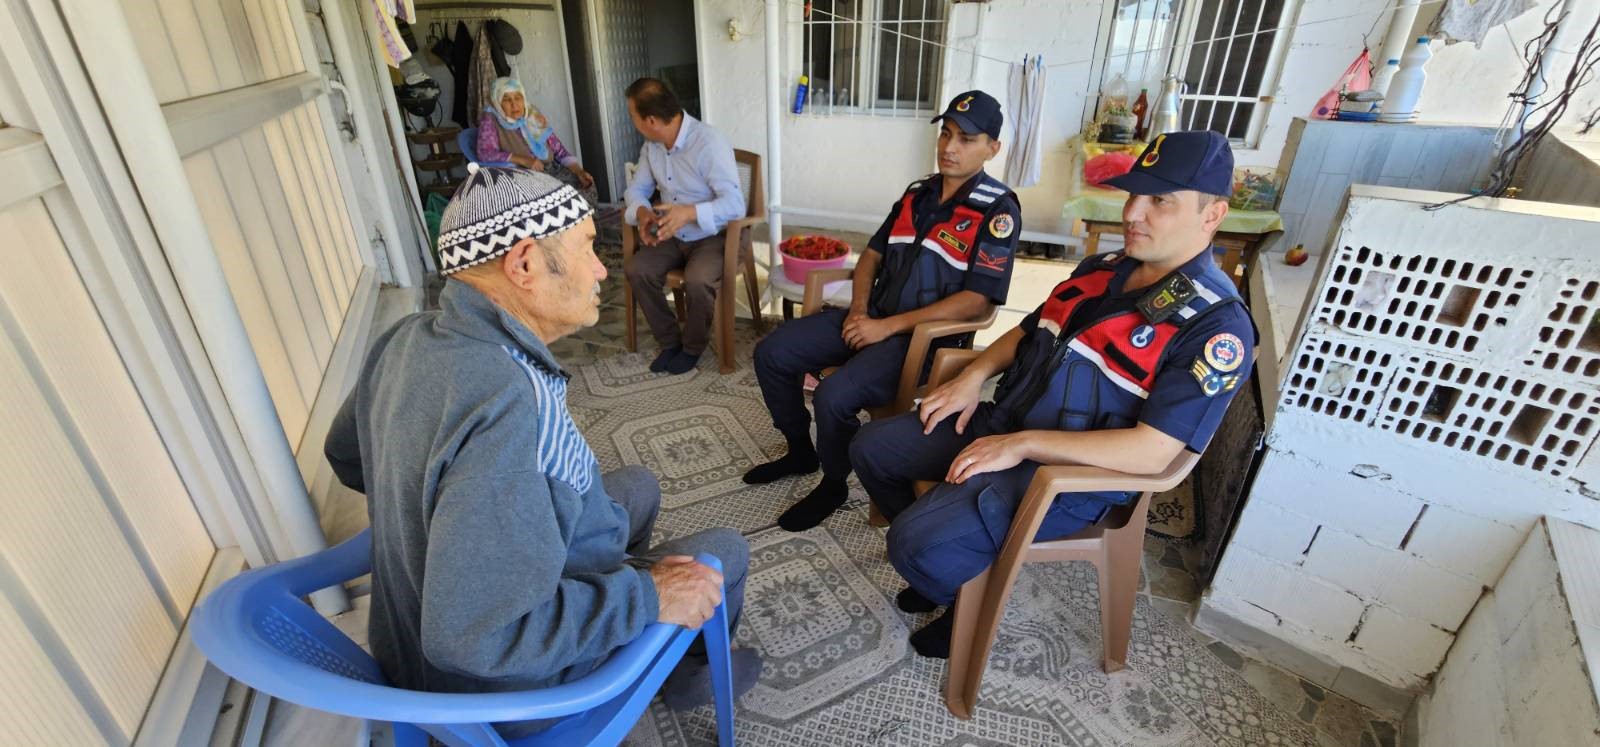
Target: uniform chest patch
(1142,336)
(951,241)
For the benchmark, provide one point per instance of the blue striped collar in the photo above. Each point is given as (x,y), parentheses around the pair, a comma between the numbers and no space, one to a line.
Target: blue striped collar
(466,311)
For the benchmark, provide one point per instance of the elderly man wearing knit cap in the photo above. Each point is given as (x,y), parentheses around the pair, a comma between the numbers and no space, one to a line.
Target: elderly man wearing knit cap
(502,558)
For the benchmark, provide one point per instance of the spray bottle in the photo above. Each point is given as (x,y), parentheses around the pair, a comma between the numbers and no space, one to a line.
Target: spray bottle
(800,94)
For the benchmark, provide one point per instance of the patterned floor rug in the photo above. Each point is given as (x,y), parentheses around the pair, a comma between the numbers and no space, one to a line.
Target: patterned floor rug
(820,604)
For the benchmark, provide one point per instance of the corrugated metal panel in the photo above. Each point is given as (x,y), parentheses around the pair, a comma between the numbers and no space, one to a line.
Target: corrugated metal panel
(271,327)
(101,546)
(272,206)
(105,408)
(197,47)
(40,707)
(624,58)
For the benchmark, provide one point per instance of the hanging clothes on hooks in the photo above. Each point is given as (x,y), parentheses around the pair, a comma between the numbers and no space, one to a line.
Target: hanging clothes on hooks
(481,78)
(461,68)
(1025,99)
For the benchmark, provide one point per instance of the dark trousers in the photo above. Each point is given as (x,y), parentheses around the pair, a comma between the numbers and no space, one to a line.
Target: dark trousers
(866,378)
(635,489)
(701,262)
(953,533)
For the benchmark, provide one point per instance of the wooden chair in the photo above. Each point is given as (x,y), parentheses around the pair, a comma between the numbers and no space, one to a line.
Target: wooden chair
(916,356)
(736,255)
(1115,546)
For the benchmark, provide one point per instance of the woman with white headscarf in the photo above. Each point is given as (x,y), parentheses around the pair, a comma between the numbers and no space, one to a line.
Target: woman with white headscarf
(514,131)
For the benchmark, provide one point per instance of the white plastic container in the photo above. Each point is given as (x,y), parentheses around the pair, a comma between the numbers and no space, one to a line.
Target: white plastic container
(1385,76)
(1400,101)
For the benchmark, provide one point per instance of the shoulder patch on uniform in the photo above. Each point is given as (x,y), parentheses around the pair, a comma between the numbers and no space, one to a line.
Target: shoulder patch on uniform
(1001,226)
(1210,381)
(991,258)
(1224,352)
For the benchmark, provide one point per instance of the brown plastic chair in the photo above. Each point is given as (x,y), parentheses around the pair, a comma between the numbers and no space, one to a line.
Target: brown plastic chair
(1115,546)
(921,339)
(735,253)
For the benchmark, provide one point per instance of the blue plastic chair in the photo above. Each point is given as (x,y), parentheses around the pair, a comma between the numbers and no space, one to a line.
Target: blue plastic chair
(256,629)
(467,140)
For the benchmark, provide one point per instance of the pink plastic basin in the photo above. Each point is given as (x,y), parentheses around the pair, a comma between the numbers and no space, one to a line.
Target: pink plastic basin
(796,269)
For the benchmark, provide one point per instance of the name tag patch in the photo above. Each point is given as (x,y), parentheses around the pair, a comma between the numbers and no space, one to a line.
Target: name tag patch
(951,241)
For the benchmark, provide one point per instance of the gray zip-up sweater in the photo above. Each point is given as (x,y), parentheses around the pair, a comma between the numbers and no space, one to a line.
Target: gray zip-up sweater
(497,555)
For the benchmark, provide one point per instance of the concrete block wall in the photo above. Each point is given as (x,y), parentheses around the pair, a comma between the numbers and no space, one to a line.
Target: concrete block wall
(1519,672)
(1437,400)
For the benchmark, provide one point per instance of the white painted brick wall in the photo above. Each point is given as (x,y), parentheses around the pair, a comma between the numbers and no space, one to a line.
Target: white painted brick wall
(1517,673)
(1474,546)
(1284,591)
(1428,593)
(1348,562)
(1395,578)
(1407,642)
(1277,533)
(1330,494)
(1468,702)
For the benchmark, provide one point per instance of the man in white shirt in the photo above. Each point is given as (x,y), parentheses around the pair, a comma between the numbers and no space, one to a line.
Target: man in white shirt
(692,166)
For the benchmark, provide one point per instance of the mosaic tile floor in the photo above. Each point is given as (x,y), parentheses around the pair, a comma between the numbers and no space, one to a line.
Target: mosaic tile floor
(820,604)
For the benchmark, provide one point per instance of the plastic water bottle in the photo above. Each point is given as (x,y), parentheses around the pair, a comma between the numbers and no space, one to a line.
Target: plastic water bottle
(800,94)
(1400,101)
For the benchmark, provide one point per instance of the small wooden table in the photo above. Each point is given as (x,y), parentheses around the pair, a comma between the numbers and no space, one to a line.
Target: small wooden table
(793,294)
(1239,249)
(1241,236)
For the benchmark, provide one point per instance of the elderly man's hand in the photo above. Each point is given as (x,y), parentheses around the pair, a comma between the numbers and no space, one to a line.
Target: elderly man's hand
(673,217)
(688,592)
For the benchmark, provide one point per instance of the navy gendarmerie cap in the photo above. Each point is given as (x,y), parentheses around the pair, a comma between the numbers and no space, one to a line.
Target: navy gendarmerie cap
(1195,159)
(974,112)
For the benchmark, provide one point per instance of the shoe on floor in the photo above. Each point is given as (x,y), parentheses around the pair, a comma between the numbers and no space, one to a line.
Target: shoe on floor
(819,504)
(689,685)
(682,362)
(933,640)
(910,600)
(792,463)
(659,365)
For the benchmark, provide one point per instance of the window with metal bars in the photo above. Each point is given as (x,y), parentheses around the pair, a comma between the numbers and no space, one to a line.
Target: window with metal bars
(879,57)
(1225,51)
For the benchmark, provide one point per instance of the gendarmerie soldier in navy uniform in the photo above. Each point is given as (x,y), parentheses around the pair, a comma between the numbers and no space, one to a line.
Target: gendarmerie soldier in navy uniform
(1132,359)
(944,253)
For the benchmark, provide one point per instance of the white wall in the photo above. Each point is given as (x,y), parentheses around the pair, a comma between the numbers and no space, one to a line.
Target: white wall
(1466,84)
(1516,674)
(858,164)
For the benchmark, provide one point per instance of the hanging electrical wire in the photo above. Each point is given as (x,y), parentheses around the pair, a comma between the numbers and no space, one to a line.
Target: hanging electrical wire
(1551,103)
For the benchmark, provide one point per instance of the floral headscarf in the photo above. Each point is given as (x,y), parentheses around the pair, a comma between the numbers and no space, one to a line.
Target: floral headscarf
(533,125)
